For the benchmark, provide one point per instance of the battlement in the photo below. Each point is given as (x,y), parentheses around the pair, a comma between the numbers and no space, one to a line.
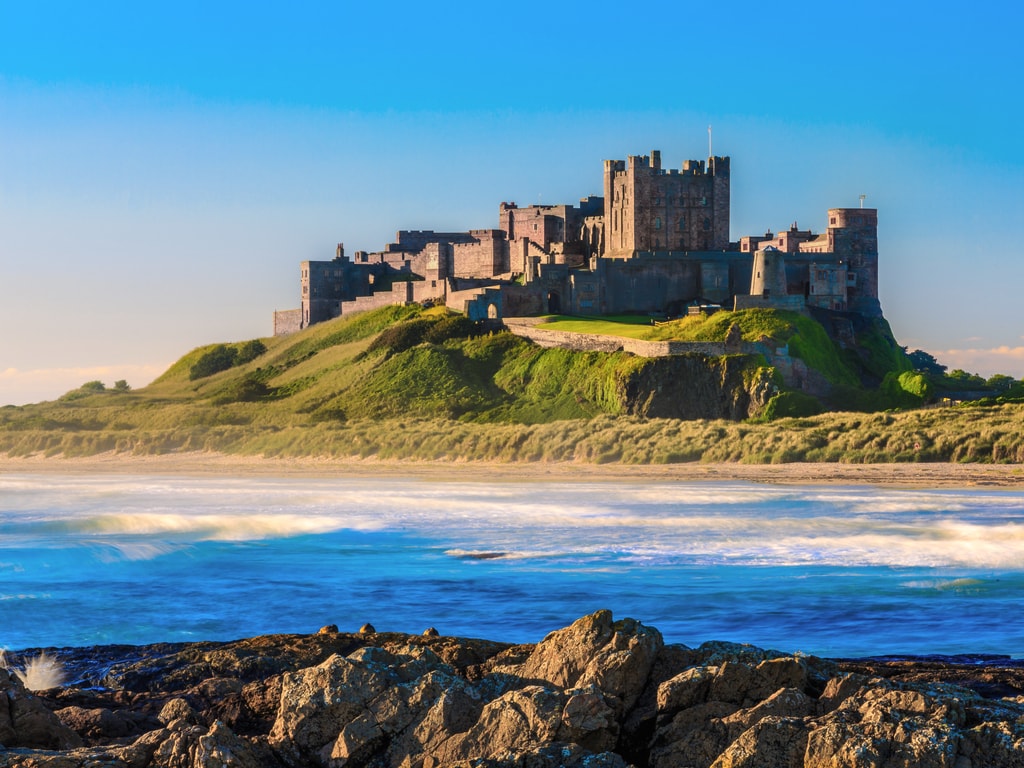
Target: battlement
(843,218)
(657,240)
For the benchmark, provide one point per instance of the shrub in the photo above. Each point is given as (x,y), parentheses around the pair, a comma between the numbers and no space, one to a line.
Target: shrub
(905,390)
(215,360)
(790,404)
(121,386)
(400,337)
(450,327)
(248,389)
(89,388)
(250,350)
(40,674)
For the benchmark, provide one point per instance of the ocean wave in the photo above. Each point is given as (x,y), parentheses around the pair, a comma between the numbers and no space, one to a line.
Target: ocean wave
(670,523)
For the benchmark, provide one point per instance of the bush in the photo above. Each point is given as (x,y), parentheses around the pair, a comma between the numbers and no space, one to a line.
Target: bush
(791,404)
(400,337)
(248,389)
(249,351)
(89,388)
(218,359)
(450,327)
(906,390)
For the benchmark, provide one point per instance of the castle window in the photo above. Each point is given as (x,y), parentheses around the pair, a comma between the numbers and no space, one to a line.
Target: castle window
(682,223)
(657,222)
(707,223)
(832,220)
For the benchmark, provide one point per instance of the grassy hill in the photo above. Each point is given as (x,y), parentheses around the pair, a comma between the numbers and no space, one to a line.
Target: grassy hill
(403,382)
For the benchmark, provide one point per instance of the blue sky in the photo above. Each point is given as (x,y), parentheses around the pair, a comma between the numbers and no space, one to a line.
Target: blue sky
(165,166)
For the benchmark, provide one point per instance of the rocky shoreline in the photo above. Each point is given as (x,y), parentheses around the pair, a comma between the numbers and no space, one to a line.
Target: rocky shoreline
(599,693)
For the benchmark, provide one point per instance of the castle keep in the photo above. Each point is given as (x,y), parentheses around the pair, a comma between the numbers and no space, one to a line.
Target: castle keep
(658,241)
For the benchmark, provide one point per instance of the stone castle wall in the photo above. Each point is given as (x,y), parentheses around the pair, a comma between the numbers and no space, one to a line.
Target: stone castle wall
(486,255)
(648,208)
(591,342)
(287,321)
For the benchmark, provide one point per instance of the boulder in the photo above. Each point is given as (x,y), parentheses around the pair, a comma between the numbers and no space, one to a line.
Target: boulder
(617,657)
(26,722)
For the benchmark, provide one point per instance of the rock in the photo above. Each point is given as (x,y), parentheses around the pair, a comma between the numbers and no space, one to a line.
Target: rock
(519,720)
(616,657)
(26,722)
(317,703)
(772,742)
(96,724)
(431,632)
(178,710)
(598,694)
(367,629)
(330,629)
(193,746)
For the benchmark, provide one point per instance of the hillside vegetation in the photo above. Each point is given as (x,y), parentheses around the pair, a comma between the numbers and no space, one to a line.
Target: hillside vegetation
(409,383)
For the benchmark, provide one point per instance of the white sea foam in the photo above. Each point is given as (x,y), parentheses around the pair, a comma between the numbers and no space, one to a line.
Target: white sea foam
(143,518)
(715,556)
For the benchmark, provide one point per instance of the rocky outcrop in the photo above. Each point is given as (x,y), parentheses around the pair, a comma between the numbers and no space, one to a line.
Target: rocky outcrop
(597,693)
(694,386)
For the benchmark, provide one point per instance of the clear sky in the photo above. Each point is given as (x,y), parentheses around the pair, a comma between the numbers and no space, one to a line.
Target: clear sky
(164,167)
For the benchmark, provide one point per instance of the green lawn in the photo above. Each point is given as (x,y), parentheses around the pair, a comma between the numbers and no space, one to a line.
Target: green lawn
(627,326)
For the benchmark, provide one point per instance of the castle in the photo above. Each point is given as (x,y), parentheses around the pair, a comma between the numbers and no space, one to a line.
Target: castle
(657,242)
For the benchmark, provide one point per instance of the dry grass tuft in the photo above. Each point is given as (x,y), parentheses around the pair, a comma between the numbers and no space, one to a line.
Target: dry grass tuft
(40,674)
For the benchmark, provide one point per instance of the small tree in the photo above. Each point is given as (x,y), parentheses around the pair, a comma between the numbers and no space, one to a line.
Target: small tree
(925,363)
(1000,382)
(121,386)
(93,386)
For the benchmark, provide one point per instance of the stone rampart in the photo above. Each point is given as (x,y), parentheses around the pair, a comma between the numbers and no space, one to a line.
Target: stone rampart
(592,342)
(287,321)
(400,293)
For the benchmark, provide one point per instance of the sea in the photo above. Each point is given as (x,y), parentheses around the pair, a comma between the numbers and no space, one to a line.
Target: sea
(830,570)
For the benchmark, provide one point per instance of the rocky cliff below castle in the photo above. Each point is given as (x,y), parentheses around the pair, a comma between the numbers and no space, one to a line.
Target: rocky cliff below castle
(598,693)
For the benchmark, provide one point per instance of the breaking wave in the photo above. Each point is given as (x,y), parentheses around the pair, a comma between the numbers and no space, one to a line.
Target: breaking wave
(628,523)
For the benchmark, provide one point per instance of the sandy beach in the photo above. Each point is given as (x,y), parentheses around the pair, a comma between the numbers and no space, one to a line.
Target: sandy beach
(935,475)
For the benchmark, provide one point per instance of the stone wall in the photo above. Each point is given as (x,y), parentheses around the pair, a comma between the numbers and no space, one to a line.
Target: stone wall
(415,240)
(792,303)
(485,256)
(400,293)
(648,208)
(287,321)
(592,342)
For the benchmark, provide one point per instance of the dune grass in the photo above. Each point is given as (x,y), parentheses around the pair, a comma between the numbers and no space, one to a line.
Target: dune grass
(344,389)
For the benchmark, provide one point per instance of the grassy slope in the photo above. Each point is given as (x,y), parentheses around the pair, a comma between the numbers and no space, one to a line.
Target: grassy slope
(492,397)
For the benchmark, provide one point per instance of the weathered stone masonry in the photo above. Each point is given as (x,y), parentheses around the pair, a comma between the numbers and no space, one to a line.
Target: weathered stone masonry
(658,241)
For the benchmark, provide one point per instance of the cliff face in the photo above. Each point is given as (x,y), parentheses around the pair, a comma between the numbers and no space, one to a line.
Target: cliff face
(597,693)
(696,387)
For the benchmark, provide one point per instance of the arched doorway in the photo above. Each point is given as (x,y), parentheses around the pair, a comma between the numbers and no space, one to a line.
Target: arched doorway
(554,303)
(492,312)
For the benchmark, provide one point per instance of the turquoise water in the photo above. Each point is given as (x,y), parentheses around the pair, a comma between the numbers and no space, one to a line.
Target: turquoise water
(834,571)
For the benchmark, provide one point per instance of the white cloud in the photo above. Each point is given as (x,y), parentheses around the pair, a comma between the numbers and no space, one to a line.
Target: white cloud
(1004,359)
(18,387)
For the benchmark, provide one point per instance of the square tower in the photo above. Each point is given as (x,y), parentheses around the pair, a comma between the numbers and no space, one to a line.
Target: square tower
(650,209)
